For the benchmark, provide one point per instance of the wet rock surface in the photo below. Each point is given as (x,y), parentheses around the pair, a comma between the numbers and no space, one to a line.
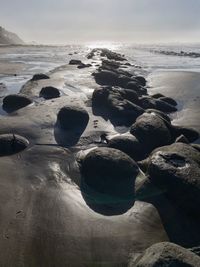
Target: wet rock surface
(166,254)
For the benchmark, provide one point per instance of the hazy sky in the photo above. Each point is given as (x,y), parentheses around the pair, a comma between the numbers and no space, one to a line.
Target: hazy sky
(63,21)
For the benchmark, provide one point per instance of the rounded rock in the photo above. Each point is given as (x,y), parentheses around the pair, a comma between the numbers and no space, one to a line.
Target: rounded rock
(110,172)
(15,102)
(39,76)
(49,92)
(73,118)
(151,131)
(11,144)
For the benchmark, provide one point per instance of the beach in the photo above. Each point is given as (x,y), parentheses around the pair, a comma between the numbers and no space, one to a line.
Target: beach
(46,216)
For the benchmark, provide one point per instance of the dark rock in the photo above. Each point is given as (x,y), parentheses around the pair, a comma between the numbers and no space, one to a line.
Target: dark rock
(158,95)
(196,146)
(142,81)
(128,144)
(137,88)
(73,118)
(189,133)
(82,66)
(15,102)
(128,95)
(176,170)
(75,62)
(123,80)
(11,144)
(152,103)
(169,100)
(182,139)
(40,76)
(111,173)
(151,131)
(125,111)
(100,97)
(106,77)
(166,254)
(49,92)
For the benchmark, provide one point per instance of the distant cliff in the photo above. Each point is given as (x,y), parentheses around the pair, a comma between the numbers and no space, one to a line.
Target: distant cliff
(9,38)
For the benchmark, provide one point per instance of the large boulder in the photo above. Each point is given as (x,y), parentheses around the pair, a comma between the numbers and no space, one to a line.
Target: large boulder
(128,144)
(49,92)
(11,144)
(166,254)
(39,76)
(148,102)
(189,133)
(106,77)
(169,100)
(141,80)
(151,131)
(15,102)
(110,173)
(176,170)
(73,118)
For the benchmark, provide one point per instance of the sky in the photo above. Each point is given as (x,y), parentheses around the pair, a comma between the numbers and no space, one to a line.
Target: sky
(74,21)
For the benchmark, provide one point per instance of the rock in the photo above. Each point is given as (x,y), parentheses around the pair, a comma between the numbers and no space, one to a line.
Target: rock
(11,144)
(151,131)
(123,110)
(82,66)
(169,100)
(128,144)
(73,118)
(123,80)
(158,95)
(152,103)
(182,139)
(39,76)
(128,95)
(100,97)
(137,88)
(75,62)
(160,114)
(112,173)
(49,92)
(15,102)
(196,146)
(189,133)
(106,77)
(2,87)
(176,170)
(142,81)
(166,254)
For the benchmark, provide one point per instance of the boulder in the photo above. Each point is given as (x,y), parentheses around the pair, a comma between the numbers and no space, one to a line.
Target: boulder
(160,114)
(49,92)
(73,118)
(128,144)
(106,77)
(123,80)
(166,254)
(148,102)
(110,172)
(15,102)
(176,169)
(189,133)
(141,80)
(151,131)
(75,62)
(39,76)
(168,100)
(157,95)
(11,144)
